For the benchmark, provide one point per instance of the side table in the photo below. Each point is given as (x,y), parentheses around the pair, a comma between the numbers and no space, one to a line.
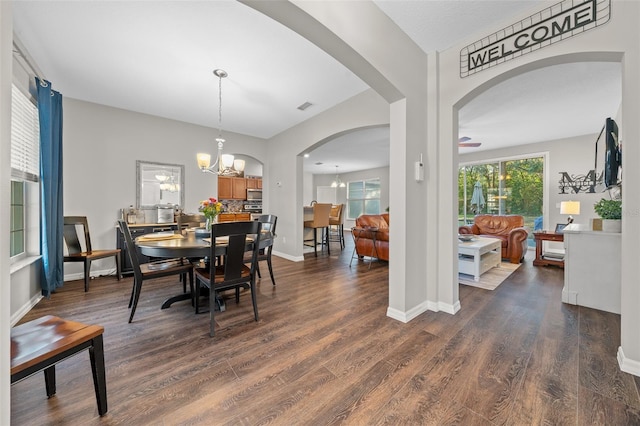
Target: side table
(541,259)
(359,232)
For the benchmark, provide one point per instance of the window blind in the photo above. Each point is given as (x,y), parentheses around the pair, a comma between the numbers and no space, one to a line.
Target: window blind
(25,137)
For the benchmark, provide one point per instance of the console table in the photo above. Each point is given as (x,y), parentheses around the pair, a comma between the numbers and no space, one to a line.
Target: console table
(592,274)
(542,259)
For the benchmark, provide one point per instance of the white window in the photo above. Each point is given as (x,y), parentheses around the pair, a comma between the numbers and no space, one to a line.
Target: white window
(25,137)
(363,197)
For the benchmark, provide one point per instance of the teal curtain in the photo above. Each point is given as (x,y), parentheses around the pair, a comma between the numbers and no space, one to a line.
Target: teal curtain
(52,216)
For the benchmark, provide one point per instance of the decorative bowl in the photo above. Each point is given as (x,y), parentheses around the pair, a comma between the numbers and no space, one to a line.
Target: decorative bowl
(466,237)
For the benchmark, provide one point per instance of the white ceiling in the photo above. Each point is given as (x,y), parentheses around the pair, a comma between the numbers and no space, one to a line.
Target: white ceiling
(157,57)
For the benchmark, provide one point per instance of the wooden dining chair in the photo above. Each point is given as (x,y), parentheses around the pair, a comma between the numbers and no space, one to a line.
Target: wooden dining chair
(231,273)
(148,271)
(268,234)
(321,213)
(194,220)
(77,253)
(190,220)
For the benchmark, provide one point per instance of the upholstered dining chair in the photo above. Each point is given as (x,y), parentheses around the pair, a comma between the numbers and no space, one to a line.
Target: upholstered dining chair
(337,219)
(321,213)
(78,253)
(231,273)
(148,271)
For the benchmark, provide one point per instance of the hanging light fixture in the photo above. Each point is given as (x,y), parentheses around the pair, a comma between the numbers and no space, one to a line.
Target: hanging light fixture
(224,164)
(167,183)
(338,183)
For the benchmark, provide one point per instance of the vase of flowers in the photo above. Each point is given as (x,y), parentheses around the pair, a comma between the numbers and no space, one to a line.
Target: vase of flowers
(211,208)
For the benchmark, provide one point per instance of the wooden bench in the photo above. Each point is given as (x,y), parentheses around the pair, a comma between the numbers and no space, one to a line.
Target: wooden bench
(40,344)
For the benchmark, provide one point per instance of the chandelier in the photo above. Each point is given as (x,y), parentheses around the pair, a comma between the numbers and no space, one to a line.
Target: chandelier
(338,183)
(225,164)
(167,183)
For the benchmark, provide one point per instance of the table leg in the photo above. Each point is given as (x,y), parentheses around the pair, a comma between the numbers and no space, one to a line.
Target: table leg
(178,298)
(476,265)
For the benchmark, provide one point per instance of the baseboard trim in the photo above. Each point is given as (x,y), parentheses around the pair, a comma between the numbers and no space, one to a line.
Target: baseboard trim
(94,274)
(628,365)
(422,308)
(17,316)
(570,297)
(288,257)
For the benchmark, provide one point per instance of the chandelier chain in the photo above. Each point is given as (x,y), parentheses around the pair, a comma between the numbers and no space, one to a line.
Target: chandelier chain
(220,106)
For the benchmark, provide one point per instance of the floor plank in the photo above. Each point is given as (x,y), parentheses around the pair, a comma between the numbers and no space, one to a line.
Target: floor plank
(324,351)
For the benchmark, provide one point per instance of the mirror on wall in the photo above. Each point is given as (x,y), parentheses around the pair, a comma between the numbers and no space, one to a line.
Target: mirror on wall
(159,183)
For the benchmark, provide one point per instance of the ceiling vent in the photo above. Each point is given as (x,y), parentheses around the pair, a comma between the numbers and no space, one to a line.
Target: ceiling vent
(304,106)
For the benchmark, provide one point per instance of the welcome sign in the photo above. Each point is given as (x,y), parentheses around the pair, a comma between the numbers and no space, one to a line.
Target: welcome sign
(551,25)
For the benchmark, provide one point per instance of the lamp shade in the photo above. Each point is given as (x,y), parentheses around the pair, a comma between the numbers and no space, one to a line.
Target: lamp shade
(238,165)
(227,161)
(203,160)
(570,207)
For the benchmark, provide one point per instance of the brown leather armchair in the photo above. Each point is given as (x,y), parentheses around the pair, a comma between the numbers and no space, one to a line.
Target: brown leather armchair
(507,228)
(364,237)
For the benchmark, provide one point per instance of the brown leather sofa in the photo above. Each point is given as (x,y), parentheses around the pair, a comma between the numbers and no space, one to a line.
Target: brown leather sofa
(363,235)
(507,228)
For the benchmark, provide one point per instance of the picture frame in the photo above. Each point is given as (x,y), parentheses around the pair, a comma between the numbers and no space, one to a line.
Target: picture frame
(560,228)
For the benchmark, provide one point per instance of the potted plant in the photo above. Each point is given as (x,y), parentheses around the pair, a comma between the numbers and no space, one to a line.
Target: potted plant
(611,213)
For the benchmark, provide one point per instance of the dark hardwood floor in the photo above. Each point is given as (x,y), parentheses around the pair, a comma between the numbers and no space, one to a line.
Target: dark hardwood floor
(324,352)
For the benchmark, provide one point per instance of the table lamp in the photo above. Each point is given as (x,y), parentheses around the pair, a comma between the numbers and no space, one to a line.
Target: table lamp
(570,208)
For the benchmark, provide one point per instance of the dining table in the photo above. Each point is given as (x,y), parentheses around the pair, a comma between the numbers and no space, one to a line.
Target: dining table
(192,244)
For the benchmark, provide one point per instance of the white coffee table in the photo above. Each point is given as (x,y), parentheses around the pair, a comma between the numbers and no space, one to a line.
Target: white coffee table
(478,256)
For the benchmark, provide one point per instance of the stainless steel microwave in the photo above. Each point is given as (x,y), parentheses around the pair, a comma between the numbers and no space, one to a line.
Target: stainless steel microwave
(254,194)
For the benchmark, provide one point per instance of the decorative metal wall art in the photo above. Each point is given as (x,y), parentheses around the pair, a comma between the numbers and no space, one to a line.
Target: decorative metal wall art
(551,25)
(573,184)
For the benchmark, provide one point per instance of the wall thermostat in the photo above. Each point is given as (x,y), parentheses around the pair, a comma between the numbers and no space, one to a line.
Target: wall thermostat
(419,170)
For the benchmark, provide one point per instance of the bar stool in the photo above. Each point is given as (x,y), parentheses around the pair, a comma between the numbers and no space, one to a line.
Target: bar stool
(321,213)
(337,219)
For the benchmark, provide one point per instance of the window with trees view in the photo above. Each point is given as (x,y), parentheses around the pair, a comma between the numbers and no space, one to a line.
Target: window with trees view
(501,187)
(363,197)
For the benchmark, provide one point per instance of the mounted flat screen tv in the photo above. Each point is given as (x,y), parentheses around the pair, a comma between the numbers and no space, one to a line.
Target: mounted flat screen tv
(612,154)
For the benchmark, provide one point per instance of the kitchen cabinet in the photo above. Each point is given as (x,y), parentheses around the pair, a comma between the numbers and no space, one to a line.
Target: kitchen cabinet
(234,217)
(254,183)
(232,188)
(136,231)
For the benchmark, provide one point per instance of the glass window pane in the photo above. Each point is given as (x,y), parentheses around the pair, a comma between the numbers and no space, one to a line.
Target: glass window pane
(17,243)
(356,190)
(17,218)
(355,208)
(372,206)
(17,193)
(372,188)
